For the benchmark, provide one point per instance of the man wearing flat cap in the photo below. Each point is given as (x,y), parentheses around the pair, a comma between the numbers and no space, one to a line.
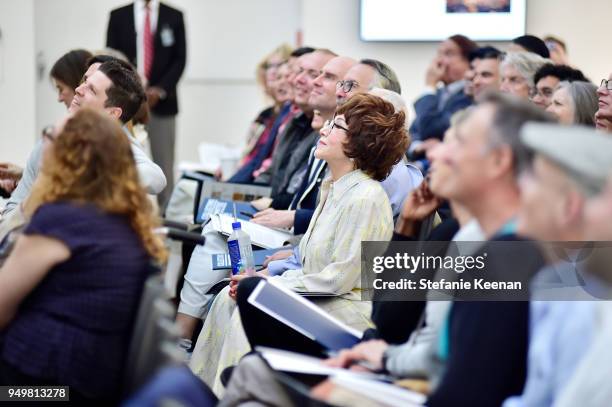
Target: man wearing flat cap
(569,167)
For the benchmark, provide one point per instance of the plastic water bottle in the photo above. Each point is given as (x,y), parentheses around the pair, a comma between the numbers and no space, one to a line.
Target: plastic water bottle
(240,251)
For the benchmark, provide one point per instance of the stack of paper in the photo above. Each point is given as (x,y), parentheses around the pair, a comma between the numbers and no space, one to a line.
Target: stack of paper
(261,236)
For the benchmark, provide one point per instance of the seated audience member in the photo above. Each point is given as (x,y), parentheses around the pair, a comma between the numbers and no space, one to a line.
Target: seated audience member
(365,76)
(292,150)
(603,116)
(361,145)
(66,314)
(322,98)
(483,181)
(272,76)
(529,43)
(517,71)
(574,103)
(290,155)
(435,108)
(116,89)
(555,190)
(485,67)
(557,49)
(66,75)
(590,379)
(548,77)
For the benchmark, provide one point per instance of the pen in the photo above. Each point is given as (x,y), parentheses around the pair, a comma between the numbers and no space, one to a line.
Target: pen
(248,215)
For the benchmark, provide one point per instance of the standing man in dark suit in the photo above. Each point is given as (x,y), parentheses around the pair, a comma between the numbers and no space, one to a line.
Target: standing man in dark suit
(152,36)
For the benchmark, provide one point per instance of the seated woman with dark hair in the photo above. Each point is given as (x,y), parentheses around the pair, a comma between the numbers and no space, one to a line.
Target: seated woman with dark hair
(361,144)
(70,289)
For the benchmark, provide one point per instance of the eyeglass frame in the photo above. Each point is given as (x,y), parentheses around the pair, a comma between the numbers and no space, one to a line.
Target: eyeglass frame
(332,123)
(606,83)
(351,84)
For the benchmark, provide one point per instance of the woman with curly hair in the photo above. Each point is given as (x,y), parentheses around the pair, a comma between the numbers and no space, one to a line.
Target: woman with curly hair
(362,143)
(70,289)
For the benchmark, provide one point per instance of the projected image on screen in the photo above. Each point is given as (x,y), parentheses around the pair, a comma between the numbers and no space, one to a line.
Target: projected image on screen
(477,6)
(435,20)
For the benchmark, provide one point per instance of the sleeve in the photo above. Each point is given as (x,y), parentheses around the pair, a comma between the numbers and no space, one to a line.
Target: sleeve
(27,180)
(431,122)
(112,34)
(302,220)
(173,74)
(62,221)
(362,220)
(292,262)
(151,176)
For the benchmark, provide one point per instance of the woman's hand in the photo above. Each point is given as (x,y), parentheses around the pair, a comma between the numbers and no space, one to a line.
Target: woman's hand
(236,279)
(371,352)
(419,204)
(262,203)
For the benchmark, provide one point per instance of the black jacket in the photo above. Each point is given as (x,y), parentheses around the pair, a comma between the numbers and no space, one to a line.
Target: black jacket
(168,59)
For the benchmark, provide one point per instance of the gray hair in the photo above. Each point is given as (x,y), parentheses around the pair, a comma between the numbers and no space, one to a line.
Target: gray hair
(527,63)
(583,96)
(398,102)
(511,113)
(384,77)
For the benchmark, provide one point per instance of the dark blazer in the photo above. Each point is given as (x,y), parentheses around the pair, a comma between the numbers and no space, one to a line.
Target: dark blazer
(432,122)
(168,60)
(305,200)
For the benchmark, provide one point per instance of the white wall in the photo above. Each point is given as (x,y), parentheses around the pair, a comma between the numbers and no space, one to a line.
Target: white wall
(584,25)
(17,86)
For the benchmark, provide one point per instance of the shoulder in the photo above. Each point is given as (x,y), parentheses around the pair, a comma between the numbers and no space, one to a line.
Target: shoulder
(122,11)
(170,11)
(58,212)
(370,193)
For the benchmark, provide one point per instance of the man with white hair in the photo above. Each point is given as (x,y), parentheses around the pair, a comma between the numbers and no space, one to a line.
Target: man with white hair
(517,72)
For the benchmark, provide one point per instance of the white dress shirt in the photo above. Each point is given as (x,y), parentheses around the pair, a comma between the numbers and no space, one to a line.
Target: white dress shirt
(139,18)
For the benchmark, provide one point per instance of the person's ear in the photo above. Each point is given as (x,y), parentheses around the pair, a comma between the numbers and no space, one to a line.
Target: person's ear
(115,112)
(573,208)
(502,161)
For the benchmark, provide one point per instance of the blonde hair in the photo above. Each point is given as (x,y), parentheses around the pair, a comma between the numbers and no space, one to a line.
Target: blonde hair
(91,162)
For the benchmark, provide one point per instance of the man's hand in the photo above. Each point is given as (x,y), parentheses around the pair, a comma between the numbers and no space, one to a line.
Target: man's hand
(371,352)
(279,255)
(8,185)
(426,145)
(419,204)
(154,94)
(274,218)
(262,203)
(434,73)
(10,171)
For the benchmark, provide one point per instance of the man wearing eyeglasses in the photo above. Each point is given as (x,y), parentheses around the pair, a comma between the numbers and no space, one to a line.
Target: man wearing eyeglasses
(548,77)
(366,75)
(603,116)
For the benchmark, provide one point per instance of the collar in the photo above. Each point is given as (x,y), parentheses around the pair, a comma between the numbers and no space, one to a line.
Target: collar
(140,4)
(455,87)
(339,188)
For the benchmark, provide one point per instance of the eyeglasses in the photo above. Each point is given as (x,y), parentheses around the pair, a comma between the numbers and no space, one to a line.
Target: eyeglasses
(606,84)
(331,124)
(47,134)
(347,85)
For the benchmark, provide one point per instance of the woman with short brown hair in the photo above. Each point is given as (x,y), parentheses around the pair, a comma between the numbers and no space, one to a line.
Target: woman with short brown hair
(360,145)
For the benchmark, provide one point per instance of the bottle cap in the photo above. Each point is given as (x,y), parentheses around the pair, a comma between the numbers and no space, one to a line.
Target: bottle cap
(235,225)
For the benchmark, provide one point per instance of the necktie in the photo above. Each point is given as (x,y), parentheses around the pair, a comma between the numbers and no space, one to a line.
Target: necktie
(148,43)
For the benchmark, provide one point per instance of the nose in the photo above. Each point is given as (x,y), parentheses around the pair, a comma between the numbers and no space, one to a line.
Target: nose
(318,81)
